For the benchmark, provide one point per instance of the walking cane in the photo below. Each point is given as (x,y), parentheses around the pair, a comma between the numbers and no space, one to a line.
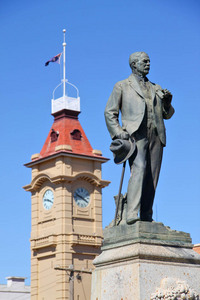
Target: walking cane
(119,194)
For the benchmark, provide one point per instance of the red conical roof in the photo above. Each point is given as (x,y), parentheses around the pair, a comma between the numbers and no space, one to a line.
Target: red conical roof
(66,130)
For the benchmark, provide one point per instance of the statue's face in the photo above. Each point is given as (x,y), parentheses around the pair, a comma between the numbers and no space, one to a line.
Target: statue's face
(143,65)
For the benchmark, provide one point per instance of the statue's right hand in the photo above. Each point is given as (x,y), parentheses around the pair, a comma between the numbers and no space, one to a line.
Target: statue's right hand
(123,136)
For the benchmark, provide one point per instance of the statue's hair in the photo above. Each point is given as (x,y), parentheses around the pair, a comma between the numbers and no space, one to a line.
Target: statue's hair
(134,57)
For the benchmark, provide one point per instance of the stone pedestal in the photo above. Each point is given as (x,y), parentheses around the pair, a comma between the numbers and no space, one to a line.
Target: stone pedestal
(146,261)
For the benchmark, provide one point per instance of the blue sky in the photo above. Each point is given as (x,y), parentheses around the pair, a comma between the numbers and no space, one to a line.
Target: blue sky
(100,37)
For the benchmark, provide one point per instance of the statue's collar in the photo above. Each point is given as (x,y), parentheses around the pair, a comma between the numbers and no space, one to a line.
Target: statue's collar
(140,77)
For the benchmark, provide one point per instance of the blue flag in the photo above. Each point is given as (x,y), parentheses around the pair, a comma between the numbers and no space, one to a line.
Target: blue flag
(54,59)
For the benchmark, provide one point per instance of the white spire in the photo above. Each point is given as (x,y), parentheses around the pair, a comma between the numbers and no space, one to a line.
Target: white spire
(64,45)
(65,102)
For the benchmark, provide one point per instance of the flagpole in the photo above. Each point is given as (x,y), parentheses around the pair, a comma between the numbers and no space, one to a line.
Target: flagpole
(64,79)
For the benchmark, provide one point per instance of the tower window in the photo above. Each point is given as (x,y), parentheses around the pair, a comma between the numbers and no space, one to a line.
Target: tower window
(54,135)
(76,134)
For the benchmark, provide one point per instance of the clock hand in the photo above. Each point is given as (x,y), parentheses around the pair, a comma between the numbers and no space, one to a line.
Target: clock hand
(81,197)
(48,200)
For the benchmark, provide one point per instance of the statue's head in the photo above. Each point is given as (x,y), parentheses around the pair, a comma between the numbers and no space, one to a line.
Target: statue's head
(139,63)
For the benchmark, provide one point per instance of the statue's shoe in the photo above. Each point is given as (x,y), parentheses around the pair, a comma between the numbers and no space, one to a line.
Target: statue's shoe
(132,220)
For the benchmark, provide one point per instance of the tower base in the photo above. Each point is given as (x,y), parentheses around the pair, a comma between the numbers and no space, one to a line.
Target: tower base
(146,261)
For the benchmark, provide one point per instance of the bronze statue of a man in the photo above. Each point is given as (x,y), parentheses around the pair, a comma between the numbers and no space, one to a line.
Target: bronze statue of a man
(143,106)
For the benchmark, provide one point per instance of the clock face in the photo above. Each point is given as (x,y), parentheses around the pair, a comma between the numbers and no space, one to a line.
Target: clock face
(82,197)
(48,199)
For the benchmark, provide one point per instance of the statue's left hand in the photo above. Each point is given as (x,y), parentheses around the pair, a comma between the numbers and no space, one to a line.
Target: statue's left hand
(167,98)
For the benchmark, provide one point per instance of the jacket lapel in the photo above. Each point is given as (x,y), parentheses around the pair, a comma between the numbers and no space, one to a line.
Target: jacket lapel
(135,85)
(153,91)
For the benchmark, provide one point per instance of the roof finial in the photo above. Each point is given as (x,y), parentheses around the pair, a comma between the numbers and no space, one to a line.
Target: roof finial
(64,45)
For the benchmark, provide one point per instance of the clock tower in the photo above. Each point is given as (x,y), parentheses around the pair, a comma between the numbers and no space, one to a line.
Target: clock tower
(66,188)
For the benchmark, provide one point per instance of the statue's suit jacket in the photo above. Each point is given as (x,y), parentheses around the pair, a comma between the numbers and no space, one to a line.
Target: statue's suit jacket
(127,97)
